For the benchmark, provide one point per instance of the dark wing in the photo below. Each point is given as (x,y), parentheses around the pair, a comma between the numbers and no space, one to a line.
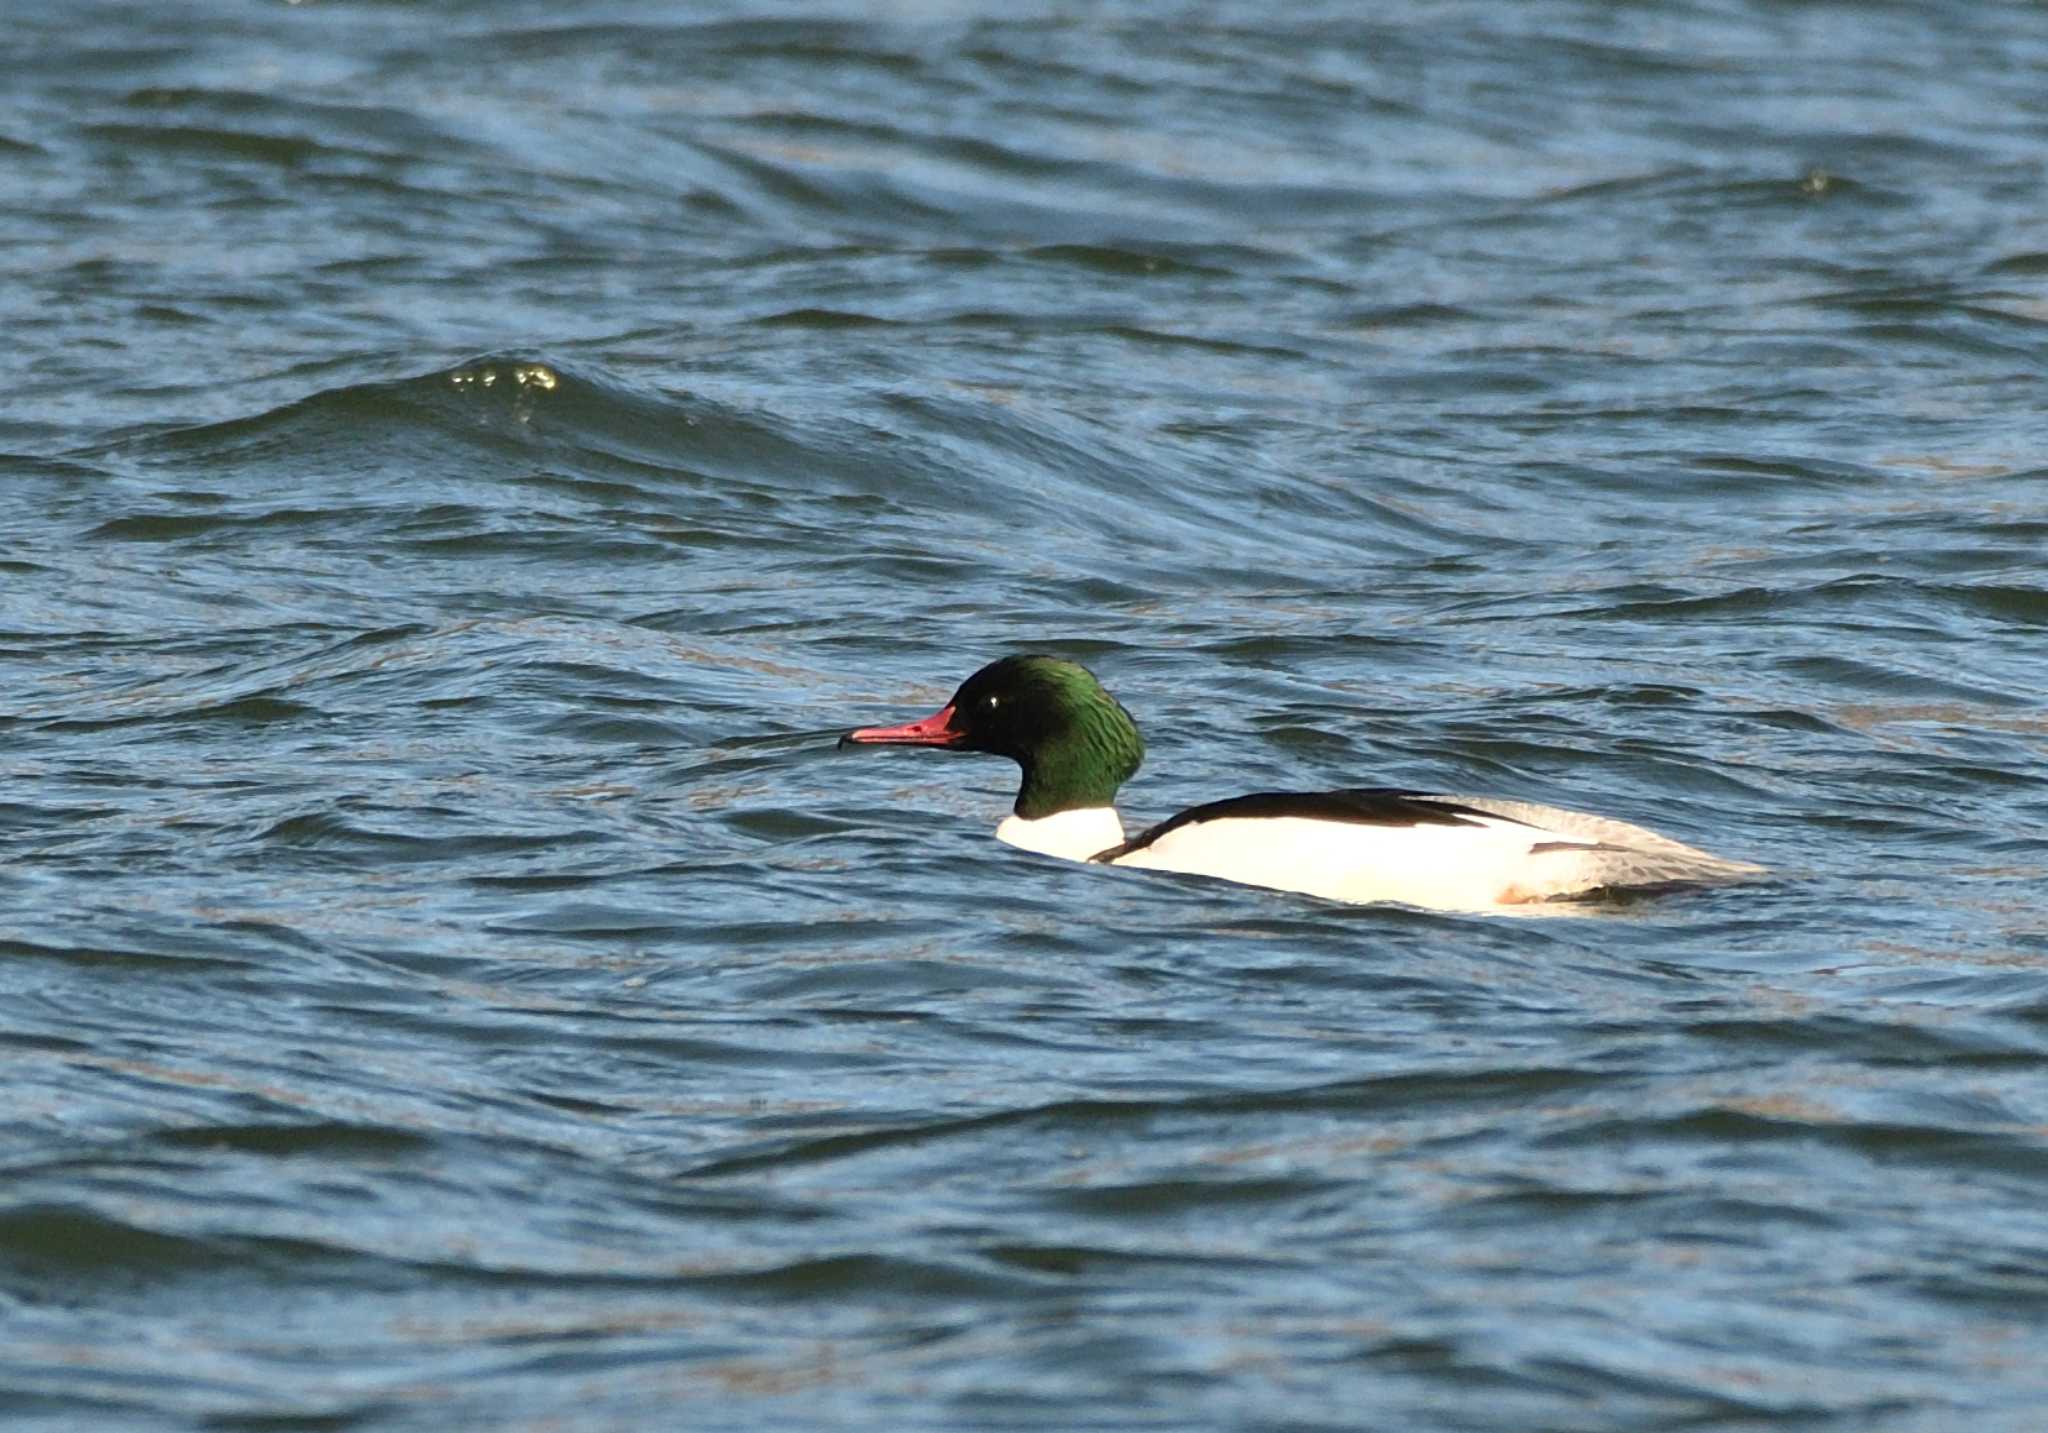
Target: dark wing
(1359,805)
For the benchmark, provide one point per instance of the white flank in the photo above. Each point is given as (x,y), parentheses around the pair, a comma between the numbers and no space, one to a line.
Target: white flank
(1517,854)
(1070,835)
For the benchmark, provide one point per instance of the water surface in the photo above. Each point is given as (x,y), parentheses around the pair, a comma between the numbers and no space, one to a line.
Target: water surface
(463,469)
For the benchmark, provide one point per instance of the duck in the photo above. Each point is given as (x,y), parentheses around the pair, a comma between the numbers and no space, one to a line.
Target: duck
(1077,746)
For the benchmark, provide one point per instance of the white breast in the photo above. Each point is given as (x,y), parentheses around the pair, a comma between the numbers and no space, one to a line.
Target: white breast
(1070,835)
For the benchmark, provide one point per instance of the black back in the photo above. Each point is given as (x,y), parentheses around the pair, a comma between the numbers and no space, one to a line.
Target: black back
(1359,805)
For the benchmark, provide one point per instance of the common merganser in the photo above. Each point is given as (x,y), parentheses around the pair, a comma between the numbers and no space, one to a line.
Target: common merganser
(1077,745)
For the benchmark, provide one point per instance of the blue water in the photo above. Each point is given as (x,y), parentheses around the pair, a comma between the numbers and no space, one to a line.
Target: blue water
(461,468)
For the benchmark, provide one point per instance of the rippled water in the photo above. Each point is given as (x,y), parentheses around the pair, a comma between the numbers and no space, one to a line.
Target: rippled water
(462,468)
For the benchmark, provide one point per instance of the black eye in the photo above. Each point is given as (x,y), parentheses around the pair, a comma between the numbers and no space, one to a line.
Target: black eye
(993,702)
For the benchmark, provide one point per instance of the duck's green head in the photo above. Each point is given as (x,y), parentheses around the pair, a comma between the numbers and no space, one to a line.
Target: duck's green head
(1075,741)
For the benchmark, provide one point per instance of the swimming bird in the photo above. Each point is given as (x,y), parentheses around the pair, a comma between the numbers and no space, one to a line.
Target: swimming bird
(1077,745)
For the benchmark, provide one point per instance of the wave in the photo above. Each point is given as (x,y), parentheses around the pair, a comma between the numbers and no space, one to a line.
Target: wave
(516,452)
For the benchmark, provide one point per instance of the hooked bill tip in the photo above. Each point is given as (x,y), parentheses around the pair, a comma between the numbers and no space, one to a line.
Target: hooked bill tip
(934,730)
